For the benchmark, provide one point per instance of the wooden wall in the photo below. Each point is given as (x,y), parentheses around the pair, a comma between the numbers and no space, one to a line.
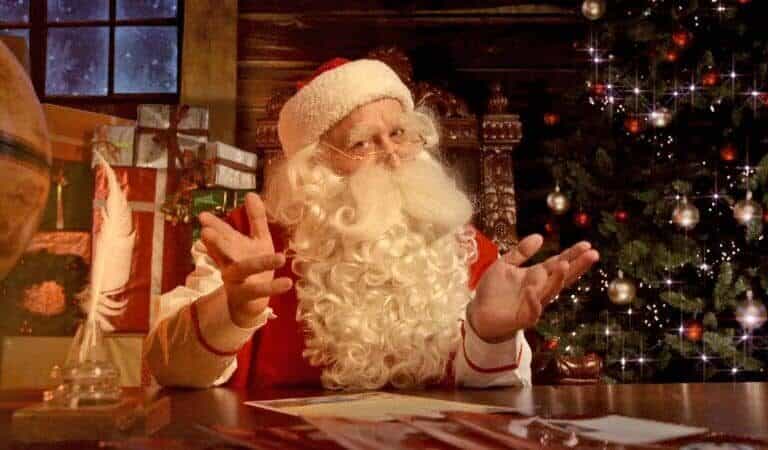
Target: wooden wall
(460,45)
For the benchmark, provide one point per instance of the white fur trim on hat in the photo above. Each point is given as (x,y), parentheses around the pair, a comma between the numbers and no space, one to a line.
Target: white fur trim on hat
(333,94)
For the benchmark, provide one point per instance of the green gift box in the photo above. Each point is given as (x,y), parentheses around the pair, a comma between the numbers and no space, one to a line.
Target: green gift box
(216,201)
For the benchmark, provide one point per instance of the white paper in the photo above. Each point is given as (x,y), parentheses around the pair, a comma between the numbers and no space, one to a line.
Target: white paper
(626,430)
(374,406)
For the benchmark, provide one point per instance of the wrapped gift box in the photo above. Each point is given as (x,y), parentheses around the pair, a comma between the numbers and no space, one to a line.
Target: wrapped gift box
(115,144)
(216,201)
(40,294)
(71,130)
(161,127)
(229,167)
(161,258)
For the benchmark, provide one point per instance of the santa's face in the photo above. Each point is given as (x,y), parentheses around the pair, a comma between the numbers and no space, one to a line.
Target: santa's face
(381,251)
(373,133)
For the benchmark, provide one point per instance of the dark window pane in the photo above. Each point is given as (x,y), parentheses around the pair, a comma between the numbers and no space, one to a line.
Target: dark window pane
(76,61)
(145,59)
(14,11)
(146,9)
(77,10)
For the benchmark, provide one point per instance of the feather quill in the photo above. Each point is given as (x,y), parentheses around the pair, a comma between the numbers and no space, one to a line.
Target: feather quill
(111,263)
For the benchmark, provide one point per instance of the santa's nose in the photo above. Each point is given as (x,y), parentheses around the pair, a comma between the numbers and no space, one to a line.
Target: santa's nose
(390,154)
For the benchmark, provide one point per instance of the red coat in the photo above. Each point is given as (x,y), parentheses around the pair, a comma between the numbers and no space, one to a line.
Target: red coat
(274,356)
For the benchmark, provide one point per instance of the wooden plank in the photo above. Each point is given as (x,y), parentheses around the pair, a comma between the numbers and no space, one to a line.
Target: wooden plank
(254,72)
(209,63)
(469,47)
(357,9)
(249,89)
(401,6)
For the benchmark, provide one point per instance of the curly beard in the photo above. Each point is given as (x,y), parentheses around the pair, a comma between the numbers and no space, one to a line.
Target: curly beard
(382,258)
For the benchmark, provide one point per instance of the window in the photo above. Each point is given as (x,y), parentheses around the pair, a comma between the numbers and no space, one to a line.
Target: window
(99,48)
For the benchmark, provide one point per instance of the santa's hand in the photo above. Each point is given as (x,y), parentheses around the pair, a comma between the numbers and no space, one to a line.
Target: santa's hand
(511,298)
(247,263)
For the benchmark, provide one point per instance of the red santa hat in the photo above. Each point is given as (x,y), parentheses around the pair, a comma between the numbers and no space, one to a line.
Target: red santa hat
(336,89)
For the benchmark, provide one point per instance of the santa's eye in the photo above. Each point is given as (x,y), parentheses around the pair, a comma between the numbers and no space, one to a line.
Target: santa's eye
(361,145)
(398,132)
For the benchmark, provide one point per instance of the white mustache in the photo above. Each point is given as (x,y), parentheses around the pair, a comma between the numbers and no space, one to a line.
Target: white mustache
(419,190)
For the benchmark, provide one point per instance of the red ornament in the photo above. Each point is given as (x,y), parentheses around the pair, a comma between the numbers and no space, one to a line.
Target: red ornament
(551,226)
(765,216)
(671,56)
(633,125)
(744,2)
(693,330)
(728,153)
(621,215)
(551,119)
(710,78)
(582,219)
(681,38)
(551,344)
(764,98)
(599,89)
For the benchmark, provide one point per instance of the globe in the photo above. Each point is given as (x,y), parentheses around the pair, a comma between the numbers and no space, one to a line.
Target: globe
(25,160)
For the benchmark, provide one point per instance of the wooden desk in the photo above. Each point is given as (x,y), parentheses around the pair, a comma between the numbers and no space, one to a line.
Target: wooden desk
(733,408)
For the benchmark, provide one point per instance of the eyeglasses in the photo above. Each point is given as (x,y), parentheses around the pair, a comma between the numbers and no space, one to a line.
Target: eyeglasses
(406,147)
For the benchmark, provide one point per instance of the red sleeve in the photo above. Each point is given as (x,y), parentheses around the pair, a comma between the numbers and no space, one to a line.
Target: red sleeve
(487,253)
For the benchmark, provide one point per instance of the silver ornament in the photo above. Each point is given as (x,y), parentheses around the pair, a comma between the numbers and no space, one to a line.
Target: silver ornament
(685,215)
(747,210)
(622,290)
(558,202)
(751,314)
(661,117)
(593,9)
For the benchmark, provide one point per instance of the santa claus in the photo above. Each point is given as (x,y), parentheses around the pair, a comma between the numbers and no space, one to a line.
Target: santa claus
(359,269)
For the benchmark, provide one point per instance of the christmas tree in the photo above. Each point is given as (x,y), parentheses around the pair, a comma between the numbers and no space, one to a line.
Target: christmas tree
(661,163)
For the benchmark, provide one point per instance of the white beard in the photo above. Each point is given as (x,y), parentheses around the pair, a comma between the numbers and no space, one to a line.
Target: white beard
(382,259)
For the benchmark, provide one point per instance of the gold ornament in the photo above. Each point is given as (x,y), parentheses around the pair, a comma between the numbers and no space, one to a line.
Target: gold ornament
(558,202)
(747,210)
(685,215)
(751,314)
(593,9)
(661,117)
(622,290)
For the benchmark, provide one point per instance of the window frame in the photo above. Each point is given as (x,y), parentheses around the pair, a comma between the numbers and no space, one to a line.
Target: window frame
(38,41)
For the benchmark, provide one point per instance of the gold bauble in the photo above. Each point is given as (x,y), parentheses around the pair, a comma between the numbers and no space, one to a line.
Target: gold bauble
(25,160)
(622,290)
(751,314)
(558,202)
(685,215)
(593,9)
(747,210)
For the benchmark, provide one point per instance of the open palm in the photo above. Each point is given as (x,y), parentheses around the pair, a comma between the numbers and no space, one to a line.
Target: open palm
(247,262)
(510,297)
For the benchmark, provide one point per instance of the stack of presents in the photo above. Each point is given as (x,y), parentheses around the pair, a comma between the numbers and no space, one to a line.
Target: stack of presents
(170,172)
